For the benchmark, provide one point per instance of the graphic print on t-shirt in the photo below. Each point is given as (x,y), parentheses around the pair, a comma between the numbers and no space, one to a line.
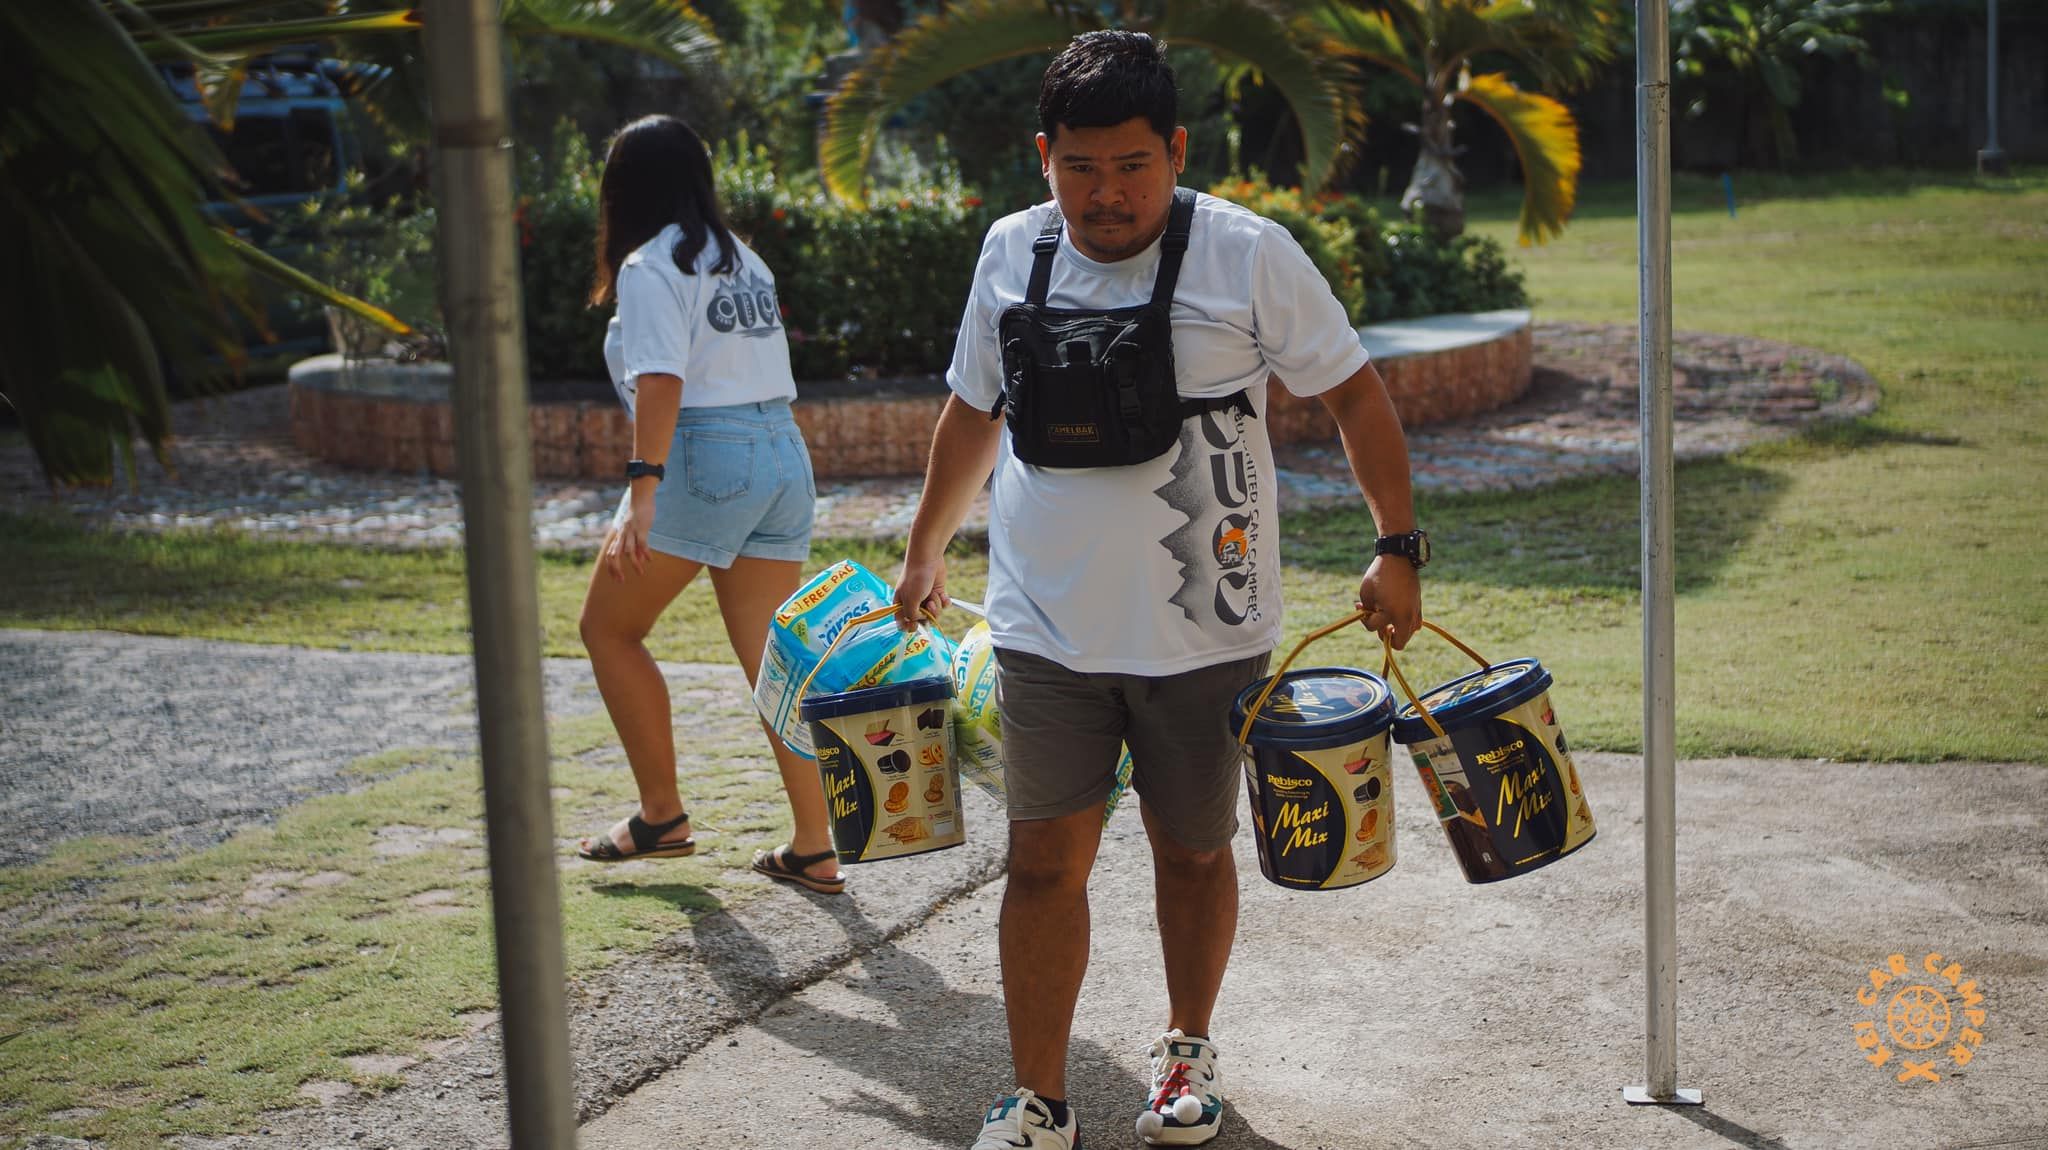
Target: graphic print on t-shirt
(744,303)
(1215,486)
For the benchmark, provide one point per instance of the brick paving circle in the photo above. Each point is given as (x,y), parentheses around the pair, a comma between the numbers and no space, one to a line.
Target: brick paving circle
(236,468)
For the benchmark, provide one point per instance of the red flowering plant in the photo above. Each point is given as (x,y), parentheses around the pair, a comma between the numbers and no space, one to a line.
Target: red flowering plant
(557,219)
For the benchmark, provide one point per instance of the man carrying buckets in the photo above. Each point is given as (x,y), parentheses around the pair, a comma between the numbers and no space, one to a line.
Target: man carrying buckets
(1111,370)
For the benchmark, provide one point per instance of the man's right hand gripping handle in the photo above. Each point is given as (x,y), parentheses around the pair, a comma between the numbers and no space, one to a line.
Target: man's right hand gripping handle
(964,449)
(921,589)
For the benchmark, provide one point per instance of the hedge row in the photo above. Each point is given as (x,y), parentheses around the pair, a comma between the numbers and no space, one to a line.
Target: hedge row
(878,292)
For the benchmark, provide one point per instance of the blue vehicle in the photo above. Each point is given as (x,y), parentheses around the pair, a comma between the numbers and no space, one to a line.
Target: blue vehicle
(291,142)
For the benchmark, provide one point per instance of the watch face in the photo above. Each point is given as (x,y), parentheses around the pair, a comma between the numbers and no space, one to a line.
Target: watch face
(1421,548)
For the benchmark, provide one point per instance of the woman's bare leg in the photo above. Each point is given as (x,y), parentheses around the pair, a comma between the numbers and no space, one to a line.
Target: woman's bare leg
(749,594)
(617,616)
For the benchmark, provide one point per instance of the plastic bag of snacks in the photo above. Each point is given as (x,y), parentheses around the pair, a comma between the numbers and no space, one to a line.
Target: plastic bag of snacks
(801,630)
(878,653)
(978,729)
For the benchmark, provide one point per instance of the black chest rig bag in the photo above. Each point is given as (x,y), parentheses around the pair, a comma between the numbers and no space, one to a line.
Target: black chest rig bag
(1086,388)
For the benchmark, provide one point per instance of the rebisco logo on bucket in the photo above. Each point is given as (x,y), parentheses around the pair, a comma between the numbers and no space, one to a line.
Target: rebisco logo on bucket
(1912,1011)
(1499,755)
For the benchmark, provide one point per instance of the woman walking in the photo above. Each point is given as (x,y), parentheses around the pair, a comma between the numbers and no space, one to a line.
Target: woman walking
(719,478)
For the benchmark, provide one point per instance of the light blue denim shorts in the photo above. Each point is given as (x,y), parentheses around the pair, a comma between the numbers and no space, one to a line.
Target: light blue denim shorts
(739,484)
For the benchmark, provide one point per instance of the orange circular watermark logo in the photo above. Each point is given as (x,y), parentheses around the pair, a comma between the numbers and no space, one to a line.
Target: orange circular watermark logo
(1912,1011)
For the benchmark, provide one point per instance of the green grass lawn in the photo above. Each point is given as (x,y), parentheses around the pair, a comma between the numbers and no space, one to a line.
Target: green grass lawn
(143,996)
(1869,591)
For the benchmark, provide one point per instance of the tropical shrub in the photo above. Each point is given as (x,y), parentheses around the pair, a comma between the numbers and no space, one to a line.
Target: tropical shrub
(1761,45)
(557,221)
(1380,270)
(381,253)
(877,292)
(873,292)
(1428,274)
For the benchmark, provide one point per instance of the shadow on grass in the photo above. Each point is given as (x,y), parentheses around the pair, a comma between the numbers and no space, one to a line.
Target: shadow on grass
(1586,534)
(1853,434)
(1579,534)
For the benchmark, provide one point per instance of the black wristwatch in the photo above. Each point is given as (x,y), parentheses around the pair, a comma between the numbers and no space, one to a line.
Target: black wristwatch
(1414,547)
(640,468)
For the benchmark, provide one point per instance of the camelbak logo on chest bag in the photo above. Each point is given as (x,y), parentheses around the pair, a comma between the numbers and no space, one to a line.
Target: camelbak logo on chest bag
(1095,388)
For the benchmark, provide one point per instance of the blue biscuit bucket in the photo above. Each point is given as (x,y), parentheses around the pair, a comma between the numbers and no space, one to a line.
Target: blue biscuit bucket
(885,757)
(1316,771)
(1497,769)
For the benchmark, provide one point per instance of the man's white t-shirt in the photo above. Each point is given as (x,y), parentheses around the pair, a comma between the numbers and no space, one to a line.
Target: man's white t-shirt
(721,334)
(1172,564)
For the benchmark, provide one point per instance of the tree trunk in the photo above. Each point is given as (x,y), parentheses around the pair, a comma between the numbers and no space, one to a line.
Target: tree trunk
(1436,183)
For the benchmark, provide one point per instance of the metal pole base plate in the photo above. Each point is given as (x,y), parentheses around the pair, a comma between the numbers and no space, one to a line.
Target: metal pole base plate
(1641,1096)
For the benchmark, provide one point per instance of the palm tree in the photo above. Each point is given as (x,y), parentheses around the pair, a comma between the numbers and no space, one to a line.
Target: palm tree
(1434,43)
(976,33)
(110,265)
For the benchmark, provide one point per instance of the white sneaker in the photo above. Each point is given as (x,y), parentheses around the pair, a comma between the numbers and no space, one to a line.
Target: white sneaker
(1186,1104)
(1022,1120)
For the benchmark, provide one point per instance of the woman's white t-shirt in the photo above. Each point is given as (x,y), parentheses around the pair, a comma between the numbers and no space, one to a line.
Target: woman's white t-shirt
(1172,564)
(721,334)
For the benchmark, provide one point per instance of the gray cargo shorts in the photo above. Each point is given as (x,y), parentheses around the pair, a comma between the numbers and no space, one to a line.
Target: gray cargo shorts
(1062,733)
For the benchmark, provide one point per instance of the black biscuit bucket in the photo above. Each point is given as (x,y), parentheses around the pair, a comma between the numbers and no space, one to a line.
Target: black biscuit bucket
(1493,759)
(885,756)
(1316,770)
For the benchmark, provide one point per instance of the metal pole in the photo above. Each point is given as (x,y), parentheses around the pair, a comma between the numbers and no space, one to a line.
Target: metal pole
(1660,856)
(1991,161)
(480,277)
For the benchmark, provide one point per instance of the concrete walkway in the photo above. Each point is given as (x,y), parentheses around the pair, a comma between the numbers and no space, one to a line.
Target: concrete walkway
(1420,1011)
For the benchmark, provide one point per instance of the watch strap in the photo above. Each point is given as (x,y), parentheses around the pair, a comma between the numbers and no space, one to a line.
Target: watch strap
(1412,546)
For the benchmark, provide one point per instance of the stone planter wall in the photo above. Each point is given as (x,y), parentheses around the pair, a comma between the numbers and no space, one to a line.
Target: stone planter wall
(397,417)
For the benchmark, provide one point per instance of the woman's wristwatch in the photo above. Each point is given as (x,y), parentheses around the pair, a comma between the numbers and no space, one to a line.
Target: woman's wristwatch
(1413,546)
(640,469)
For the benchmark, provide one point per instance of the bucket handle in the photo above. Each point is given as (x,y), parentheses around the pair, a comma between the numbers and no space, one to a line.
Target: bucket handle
(1244,733)
(860,620)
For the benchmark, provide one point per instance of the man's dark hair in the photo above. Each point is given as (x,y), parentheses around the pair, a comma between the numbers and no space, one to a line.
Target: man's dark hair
(1105,78)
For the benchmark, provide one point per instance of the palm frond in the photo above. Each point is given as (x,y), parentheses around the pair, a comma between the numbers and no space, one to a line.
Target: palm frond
(270,267)
(669,30)
(1372,35)
(255,39)
(930,51)
(1255,35)
(188,11)
(102,240)
(1562,43)
(1546,141)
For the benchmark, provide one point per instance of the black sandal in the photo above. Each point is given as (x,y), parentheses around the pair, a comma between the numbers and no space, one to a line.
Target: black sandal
(782,866)
(647,842)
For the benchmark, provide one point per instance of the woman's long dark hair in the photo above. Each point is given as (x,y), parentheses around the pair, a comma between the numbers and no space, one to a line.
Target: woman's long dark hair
(657,173)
